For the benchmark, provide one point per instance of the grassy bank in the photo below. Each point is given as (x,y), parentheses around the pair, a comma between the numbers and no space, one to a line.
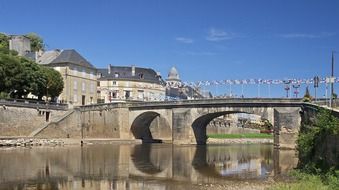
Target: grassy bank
(309,182)
(237,136)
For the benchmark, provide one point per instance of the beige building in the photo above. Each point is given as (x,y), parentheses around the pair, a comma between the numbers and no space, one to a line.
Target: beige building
(80,76)
(130,83)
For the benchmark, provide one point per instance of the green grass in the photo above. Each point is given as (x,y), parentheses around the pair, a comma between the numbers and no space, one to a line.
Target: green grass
(244,135)
(308,182)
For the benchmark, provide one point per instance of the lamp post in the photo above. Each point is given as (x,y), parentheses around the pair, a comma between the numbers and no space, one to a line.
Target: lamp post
(287,86)
(296,92)
(315,85)
(332,79)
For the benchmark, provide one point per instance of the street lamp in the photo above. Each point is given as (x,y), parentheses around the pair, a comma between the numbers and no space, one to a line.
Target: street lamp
(287,86)
(296,92)
(332,79)
(315,85)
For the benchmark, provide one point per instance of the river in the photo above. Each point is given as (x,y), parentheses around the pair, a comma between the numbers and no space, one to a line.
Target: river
(142,166)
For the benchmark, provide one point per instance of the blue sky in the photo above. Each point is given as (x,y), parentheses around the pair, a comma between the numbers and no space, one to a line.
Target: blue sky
(205,40)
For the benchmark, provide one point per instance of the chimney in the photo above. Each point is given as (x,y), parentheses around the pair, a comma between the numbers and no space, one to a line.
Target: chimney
(133,70)
(109,68)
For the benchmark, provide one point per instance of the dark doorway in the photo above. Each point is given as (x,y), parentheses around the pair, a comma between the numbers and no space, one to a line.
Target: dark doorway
(83,100)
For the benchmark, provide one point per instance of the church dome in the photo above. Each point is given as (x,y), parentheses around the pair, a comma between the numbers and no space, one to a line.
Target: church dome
(173,74)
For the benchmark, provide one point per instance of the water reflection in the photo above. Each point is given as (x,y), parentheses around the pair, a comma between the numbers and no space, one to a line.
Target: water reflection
(146,166)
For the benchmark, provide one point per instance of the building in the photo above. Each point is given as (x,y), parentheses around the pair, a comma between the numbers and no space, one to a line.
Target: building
(176,90)
(79,76)
(130,83)
(22,45)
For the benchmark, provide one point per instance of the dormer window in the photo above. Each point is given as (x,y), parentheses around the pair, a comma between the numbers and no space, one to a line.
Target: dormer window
(141,75)
(116,74)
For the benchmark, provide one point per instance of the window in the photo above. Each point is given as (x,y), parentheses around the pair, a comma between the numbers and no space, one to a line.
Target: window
(83,72)
(75,85)
(114,83)
(83,87)
(92,87)
(127,94)
(116,74)
(75,98)
(115,94)
(141,75)
(75,71)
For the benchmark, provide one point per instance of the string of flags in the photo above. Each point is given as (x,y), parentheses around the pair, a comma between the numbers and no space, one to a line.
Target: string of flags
(257,82)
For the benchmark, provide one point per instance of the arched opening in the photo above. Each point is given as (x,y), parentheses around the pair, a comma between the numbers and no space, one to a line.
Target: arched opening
(151,127)
(234,123)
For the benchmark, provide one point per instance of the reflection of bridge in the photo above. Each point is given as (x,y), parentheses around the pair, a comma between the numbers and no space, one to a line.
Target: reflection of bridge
(182,122)
(128,165)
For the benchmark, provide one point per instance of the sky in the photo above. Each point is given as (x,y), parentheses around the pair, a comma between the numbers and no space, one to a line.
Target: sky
(204,40)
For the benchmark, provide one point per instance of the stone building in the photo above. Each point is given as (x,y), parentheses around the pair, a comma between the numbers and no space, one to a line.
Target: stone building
(20,44)
(130,83)
(79,75)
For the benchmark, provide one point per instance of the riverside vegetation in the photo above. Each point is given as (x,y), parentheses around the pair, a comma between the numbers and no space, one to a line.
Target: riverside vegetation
(318,146)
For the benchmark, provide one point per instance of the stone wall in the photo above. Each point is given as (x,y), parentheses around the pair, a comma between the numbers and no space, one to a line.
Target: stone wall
(68,127)
(16,121)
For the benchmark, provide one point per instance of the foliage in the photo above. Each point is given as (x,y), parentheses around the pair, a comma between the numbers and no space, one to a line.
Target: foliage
(4,41)
(307,97)
(309,182)
(37,42)
(20,76)
(315,152)
(244,135)
(4,95)
(54,82)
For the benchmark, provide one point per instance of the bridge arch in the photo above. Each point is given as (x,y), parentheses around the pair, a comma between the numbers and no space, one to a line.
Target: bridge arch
(204,117)
(151,126)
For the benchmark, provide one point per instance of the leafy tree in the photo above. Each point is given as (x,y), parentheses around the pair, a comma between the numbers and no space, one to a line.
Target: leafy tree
(4,41)
(37,42)
(10,73)
(54,82)
(316,153)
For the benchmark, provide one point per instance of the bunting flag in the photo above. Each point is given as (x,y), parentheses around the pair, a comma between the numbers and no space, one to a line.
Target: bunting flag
(257,82)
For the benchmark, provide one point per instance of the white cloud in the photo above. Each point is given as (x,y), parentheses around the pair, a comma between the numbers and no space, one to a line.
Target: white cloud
(305,35)
(217,35)
(184,40)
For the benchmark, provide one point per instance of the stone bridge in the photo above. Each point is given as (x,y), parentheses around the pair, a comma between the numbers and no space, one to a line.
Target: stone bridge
(185,122)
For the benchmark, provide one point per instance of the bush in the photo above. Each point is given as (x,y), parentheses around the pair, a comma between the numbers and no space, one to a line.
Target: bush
(316,144)
(4,95)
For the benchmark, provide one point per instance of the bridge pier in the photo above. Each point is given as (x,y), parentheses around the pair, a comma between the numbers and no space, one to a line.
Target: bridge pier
(286,127)
(182,132)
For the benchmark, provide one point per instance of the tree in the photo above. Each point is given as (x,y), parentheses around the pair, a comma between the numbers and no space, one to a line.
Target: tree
(10,73)
(37,42)
(54,82)
(4,41)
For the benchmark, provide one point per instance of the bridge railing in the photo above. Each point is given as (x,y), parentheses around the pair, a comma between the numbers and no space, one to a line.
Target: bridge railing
(29,103)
